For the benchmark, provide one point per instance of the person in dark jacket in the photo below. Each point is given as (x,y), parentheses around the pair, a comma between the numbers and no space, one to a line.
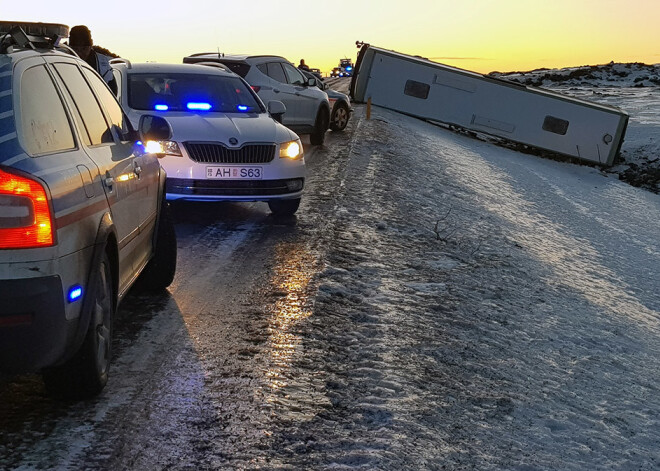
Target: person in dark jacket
(80,40)
(303,66)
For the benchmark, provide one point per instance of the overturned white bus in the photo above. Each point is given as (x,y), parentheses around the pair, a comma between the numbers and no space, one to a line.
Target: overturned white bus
(535,117)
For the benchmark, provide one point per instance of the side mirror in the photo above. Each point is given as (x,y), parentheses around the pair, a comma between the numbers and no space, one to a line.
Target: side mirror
(154,128)
(311,82)
(276,109)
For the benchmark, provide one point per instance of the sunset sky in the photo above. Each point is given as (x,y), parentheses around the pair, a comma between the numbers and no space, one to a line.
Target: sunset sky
(479,35)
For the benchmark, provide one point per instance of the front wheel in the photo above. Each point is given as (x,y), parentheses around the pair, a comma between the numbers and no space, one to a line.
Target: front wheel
(339,118)
(284,207)
(320,127)
(86,374)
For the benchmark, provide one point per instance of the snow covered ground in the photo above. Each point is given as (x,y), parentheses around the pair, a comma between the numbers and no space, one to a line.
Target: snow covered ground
(489,310)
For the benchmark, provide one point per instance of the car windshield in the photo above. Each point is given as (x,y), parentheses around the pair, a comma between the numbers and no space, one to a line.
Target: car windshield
(190,92)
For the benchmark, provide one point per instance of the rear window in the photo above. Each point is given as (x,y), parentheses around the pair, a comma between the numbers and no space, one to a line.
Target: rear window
(190,92)
(45,126)
(238,68)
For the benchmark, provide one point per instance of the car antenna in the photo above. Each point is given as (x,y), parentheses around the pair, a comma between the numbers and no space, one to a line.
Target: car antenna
(220,55)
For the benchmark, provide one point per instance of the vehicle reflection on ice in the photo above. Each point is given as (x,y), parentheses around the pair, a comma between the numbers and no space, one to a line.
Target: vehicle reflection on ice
(293,272)
(291,386)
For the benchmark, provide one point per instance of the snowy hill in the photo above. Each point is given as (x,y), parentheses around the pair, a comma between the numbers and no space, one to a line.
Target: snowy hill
(608,75)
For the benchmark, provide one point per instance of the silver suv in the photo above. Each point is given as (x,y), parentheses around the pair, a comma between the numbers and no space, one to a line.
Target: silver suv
(275,78)
(82,211)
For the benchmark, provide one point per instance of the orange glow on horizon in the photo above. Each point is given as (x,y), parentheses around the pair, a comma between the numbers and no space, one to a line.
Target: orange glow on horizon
(478,35)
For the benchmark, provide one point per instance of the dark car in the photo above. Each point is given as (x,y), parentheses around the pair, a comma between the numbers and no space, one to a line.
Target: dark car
(346,65)
(340,103)
(83,215)
(338,72)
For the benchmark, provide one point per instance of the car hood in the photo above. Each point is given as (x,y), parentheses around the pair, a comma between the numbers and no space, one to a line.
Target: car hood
(221,127)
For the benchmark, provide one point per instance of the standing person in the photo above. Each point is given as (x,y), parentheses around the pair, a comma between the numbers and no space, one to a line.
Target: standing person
(80,40)
(302,65)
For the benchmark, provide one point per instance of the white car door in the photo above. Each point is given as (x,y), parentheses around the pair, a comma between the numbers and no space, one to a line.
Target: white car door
(145,174)
(281,90)
(306,100)
(115,163)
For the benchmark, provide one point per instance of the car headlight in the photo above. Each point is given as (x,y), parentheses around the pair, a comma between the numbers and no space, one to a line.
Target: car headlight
(163,147)
(291,150)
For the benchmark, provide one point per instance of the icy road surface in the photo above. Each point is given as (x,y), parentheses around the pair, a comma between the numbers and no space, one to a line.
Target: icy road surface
(438,303)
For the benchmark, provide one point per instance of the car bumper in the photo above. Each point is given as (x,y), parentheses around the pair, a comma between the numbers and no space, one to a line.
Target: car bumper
(234,190)
(33,329)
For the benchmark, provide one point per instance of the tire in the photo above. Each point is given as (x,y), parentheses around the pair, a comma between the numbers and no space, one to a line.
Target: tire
(159,272)
(317,137)
(86,374)
(339,118)
(284,207)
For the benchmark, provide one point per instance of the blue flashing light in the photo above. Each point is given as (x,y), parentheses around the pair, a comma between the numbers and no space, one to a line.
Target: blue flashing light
(198,106)
(348,69)
(161,107)
(138,148)
(75,292)
(242,107)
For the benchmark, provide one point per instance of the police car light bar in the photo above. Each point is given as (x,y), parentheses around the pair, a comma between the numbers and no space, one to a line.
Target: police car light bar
(31,35)
(48,30)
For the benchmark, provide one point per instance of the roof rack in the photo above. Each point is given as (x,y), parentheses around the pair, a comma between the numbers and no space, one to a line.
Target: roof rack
(21,35)
(36,29)
(219,54)
(214,64)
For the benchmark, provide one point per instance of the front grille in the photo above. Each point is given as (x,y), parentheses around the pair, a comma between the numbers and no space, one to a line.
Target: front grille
(216,153)
(182,186)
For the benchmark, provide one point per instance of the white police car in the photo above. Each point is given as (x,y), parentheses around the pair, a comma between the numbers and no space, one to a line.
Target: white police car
(82,212)
(225,145)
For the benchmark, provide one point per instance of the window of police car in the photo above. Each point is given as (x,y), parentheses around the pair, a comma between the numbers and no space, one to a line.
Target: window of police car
(82,96)
(117,117)
(45,126)
(83,134)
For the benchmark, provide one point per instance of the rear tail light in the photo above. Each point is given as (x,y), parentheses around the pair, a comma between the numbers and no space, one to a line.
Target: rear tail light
(256,88)
(25,215)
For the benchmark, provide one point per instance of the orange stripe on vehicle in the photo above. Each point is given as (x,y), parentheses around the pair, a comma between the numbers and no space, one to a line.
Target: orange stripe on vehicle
(80,214)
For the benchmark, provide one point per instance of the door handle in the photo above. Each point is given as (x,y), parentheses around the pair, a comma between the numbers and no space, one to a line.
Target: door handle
(276,90)
(108,180)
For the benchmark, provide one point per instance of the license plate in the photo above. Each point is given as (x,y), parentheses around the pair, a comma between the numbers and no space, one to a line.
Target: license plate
(239,173)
